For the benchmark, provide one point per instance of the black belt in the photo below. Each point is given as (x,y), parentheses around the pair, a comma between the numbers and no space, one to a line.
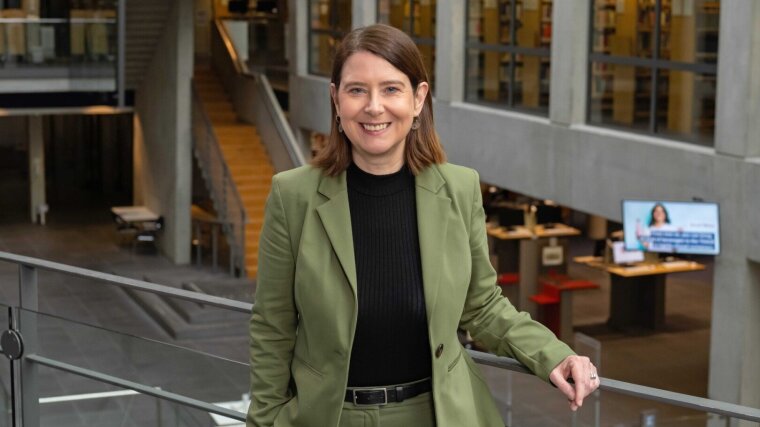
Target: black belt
(383,395)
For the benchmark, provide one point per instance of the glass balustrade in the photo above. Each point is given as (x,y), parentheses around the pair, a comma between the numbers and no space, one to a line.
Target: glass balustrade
(5,376)
(81,48)
(89,375)
(190,373)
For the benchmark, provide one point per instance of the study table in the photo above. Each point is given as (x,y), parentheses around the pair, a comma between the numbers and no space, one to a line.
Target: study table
(531,242)
(135,214)
(637,292)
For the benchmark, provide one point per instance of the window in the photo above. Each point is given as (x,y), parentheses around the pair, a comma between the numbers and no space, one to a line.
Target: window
(417,19)
(508,53)
(653,66)
(329,21)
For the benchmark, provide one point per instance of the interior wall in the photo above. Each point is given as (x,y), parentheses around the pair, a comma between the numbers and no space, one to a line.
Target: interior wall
(163,137)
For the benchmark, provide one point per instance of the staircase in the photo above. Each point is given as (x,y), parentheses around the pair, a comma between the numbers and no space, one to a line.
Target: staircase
(244,154)
(145,21)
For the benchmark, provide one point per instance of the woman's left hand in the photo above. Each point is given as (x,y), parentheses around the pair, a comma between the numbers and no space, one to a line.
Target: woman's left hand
(584,375)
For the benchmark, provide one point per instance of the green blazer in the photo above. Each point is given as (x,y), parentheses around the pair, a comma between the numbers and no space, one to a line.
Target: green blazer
(304,317)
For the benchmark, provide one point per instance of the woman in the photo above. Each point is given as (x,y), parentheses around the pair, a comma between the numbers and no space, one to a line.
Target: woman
(372,257)
(659,221)
(658,217)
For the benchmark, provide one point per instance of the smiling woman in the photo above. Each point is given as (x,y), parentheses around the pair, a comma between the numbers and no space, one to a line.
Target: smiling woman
(378,78)
(372,257)
(376,106)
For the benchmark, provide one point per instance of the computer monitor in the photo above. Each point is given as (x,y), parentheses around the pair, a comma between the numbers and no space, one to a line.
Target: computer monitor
(622,256)
(548,214)
(510,216)
(671,227)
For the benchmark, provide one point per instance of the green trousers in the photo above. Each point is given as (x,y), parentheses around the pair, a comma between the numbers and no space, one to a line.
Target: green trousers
(414,412)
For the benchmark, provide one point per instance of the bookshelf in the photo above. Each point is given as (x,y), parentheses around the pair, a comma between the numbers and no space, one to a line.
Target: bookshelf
(532,23)
(693,38)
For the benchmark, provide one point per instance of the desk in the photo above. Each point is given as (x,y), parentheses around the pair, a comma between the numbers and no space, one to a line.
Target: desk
(637,293)
(530,244)
(135,214)
(139,222)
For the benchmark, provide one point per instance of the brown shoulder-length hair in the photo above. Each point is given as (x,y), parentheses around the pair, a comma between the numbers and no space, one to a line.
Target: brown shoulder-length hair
(422,148)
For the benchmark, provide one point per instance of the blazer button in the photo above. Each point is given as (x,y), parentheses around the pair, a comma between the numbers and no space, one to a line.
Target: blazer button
(439,351)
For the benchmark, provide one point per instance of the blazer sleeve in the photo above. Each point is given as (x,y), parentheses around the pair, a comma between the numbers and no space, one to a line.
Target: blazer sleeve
(274,318)
(492,320)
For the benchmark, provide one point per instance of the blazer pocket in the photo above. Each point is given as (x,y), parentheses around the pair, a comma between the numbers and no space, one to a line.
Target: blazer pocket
(297,361)
(454,362)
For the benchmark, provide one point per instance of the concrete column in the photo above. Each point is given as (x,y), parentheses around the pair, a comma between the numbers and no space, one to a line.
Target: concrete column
(569,60)
(37,200)
(163,133)
(735,337)
(737,131)
(363,13)
(450,30)
(298,23)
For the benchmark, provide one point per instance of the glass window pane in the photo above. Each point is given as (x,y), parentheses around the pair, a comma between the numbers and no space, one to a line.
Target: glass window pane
(620,95)
(342,15)
(686,106)
(322,51)
(489,21)
(488,76)
(690,31)
(531,83)
(624,27)
(320,15)
(331,19)
(395,13)
(424,19)
(534,18)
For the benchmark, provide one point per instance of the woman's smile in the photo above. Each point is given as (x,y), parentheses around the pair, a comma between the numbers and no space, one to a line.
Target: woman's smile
(375,128)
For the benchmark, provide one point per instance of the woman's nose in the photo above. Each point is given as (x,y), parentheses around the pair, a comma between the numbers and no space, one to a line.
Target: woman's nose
(374,105)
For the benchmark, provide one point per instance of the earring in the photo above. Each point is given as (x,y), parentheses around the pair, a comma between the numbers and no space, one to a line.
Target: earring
(416,123)
(340,127)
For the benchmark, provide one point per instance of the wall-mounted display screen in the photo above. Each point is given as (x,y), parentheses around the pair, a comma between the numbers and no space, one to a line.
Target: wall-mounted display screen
(671,227)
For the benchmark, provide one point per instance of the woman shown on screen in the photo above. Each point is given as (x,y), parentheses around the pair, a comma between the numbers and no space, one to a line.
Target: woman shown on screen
(659,221)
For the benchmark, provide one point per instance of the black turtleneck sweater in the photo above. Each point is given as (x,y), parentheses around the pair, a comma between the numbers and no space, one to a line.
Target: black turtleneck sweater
(391,339)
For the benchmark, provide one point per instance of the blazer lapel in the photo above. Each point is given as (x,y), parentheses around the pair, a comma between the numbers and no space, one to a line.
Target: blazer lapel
(336,218)
(432,211)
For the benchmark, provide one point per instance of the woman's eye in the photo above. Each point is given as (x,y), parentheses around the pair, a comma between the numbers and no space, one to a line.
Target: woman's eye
(355,91)
(391,89)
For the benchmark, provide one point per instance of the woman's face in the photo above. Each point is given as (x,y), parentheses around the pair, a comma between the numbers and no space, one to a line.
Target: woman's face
(376,104)
(659,215)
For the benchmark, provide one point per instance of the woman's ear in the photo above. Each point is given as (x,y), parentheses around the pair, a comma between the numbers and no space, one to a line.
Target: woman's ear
(419,97)
(334,96)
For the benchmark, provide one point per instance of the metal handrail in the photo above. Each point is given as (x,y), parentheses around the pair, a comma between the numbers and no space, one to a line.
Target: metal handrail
(230,209)
(265,96)
(644,392)
(125,282)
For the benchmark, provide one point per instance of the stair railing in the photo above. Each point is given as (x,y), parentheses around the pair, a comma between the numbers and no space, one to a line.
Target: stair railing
(224,193)
(254,101)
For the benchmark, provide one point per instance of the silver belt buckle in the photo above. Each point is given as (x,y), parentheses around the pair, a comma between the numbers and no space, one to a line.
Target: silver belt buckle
(385,396)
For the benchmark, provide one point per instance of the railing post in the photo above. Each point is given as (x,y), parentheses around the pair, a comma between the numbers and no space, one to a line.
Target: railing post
(27,326)
(121,49)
